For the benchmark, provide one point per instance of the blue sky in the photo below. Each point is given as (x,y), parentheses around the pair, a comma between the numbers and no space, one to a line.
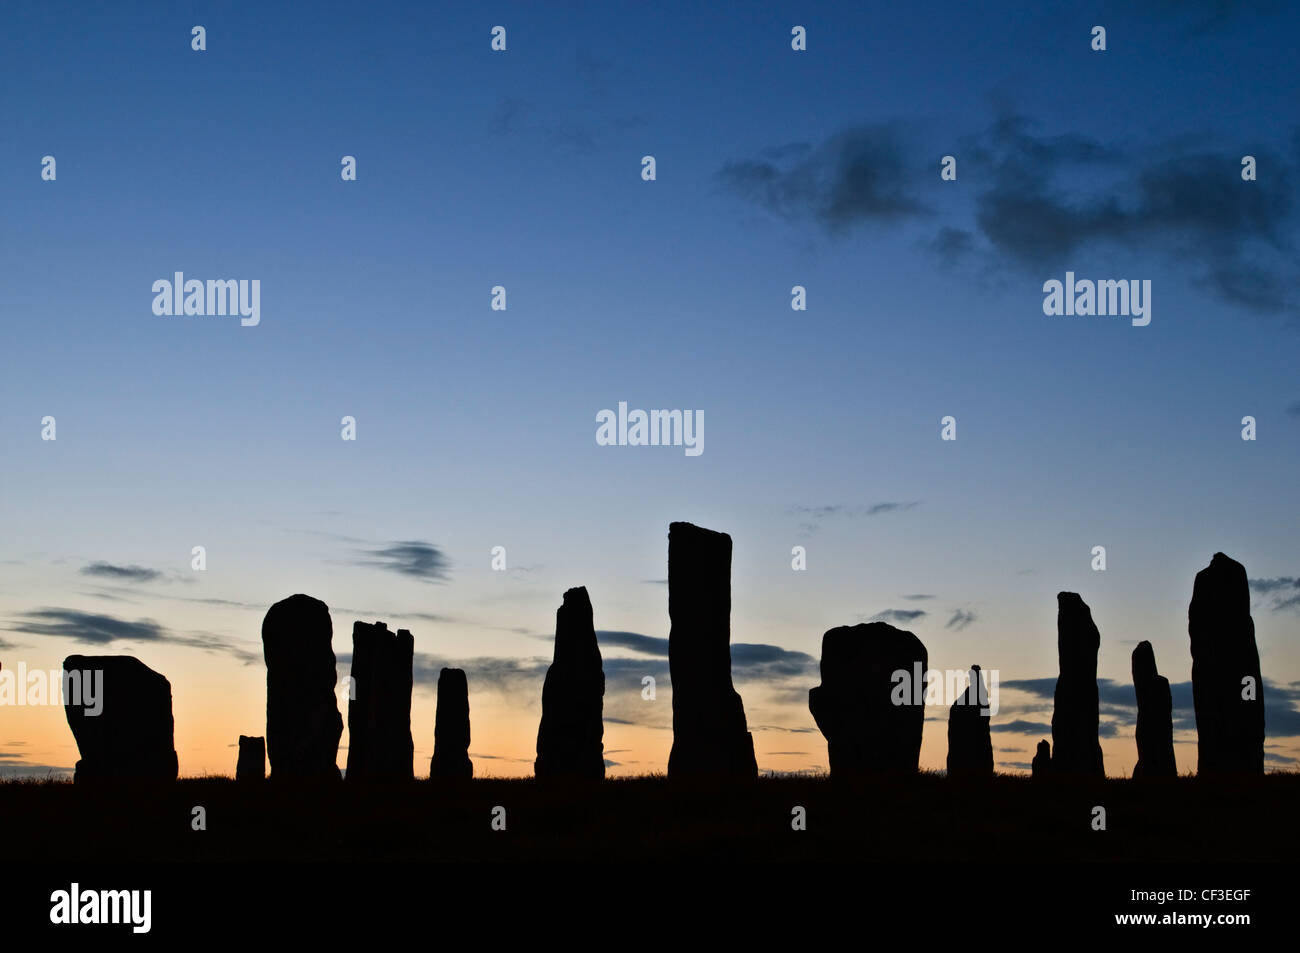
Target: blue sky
(476,427)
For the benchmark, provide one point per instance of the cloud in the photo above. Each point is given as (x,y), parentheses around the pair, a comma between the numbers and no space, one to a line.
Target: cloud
(647,644)
(104,570)
(899,615)
(814,516)
(961,618)
(1293,410)
(916,597)
(1185,201)
(414,558)
(855,176)
(1285,591)
(92,628)
(1023,727)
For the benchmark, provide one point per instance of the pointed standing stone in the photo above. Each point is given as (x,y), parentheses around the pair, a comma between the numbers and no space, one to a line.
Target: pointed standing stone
(872,720)
(252,759)
(451,728)
(379,713)
(570,738)
(120,713)
(710,736)
(970,746)
(303,724)
(1155,717)
(1227,687)
(1075,719)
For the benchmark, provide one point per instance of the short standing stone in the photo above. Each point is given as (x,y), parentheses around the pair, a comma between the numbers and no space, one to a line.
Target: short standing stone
(870,704)
(970,746)
(451,728)
(120,713)
(1155,720)
(252,759)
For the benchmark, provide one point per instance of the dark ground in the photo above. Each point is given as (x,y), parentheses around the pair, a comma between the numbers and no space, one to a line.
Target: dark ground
(643,858)
(926,819)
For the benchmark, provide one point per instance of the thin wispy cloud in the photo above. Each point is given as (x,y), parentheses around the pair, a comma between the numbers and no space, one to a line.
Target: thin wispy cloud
(898,615)
(103,570)
(414,559)
(93,628)
(960,619)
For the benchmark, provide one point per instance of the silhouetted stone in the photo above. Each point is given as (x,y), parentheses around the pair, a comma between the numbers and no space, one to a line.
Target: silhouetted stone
(570,738)
(379,711)
(872,721)
(1155,718)
(1229,727)
(710,736)
(970,747)
(1041,766)
(252,759)
(303,724)
(451,728)
(1075,748)
(120,713)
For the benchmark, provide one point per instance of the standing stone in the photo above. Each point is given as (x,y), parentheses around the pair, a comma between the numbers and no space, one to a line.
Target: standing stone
(451,728)
(120,713)
(1155,718)
(303,724)
(710,736)
(252,759)
(1041,766)
(1075,718)
(970,747)
(380,747)
(1227,688)
(871,719)
(570,738)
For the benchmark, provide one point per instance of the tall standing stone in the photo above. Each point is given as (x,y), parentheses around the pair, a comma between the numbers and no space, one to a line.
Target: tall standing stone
(451,728)
(380,747)
(1075,717)
(120,713)
(872,721)
(1155,717)
(251,765)
(570,738)
(303,724)
(970,746)
(1227,687)
(710,736)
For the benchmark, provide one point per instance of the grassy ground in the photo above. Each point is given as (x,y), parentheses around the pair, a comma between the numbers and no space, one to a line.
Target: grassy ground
(922,819)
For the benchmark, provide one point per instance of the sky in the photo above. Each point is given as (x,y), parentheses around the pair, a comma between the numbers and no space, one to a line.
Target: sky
(476,428)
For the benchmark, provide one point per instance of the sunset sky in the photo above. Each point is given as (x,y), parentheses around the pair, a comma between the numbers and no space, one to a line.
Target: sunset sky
(476,428)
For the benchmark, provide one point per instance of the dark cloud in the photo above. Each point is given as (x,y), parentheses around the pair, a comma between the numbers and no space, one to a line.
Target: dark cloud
(648,644)
(93,628)
(917,597)
(858,175)
(899,615)
(1023,727)
(1179,199)
(961,618)
(104,570)
(1285,591)
(414,558)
